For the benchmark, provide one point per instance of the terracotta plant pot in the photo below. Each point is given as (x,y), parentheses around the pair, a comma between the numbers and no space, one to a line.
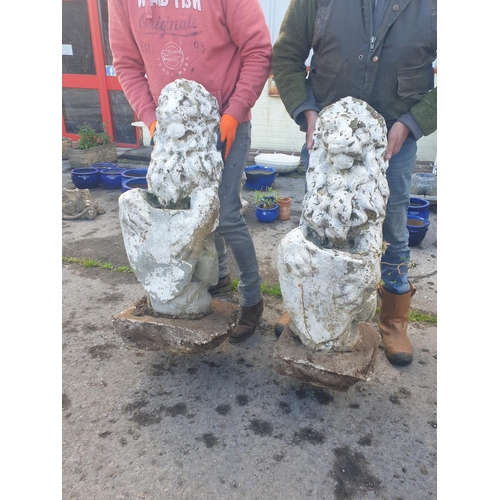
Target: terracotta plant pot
(284,208)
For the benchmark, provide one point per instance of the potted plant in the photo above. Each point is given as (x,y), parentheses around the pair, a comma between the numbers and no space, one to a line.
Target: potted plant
(93,147)
(266,207)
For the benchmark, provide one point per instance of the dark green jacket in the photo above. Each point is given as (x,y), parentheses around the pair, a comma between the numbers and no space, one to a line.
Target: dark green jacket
(390,69)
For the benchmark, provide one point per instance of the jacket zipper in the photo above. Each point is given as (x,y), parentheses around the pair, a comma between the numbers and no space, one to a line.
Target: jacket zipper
(373,38)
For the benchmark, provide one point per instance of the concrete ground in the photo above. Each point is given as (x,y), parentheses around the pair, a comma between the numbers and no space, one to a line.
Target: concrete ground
(224,424)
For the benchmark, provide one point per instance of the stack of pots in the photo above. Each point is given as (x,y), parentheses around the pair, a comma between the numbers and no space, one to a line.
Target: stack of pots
(134,178)
(110,176)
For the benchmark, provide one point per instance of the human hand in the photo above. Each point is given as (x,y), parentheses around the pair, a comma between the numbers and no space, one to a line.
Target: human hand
(311,119)
(228,126)
(397,135)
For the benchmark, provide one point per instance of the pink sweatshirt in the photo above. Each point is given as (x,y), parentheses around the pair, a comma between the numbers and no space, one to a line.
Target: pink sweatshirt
(222,44)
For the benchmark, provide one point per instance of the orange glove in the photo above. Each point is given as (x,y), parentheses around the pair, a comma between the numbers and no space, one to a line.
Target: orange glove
(228,126)
(152,129)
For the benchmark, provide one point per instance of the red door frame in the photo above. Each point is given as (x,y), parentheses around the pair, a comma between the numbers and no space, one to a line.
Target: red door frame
(100,81)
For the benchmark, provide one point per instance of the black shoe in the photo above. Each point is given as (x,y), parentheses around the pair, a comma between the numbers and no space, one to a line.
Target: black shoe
(248,322)
(224,285)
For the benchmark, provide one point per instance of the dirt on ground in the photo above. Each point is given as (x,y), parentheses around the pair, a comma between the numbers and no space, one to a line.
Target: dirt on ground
(142,424)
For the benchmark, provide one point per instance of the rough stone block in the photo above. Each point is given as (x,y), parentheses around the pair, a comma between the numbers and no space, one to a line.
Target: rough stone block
(335,370)
(152,331)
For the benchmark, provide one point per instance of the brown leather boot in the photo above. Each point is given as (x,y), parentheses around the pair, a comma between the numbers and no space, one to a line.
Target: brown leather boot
(223,285)
(248,322)
(393,322)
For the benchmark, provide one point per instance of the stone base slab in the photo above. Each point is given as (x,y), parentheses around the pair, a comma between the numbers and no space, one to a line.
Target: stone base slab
(178,336)
(336,370)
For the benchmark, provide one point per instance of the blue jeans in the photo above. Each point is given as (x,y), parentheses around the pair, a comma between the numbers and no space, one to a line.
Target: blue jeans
(395,260)
(233,232)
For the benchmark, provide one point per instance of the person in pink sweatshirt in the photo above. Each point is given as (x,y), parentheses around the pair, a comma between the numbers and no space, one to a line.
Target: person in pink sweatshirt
(225,46)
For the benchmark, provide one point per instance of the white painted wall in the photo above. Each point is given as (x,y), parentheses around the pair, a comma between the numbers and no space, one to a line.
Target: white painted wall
(272,127)
(274,10)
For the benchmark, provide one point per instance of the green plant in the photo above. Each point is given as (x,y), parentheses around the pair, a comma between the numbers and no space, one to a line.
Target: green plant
(274,290)
(267,198)
(96,263)
(89,138)
(416,316)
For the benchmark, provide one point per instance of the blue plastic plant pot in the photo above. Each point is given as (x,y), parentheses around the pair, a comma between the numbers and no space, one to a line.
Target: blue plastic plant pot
(259,178)
(135,182)
(417,227)
(85,178)
(100,166)
(133,173)
(419,207)
(111,178)
(266,214)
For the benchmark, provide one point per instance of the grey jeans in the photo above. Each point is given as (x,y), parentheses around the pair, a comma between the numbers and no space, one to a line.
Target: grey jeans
(233,232)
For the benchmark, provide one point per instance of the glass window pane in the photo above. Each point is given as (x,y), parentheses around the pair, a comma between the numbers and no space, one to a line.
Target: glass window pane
(81,106)
(122,116)
(78,56)
(103,14)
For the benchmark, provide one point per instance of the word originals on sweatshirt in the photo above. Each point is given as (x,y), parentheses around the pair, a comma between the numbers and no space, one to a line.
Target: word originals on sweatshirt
(182,27)
(183,4)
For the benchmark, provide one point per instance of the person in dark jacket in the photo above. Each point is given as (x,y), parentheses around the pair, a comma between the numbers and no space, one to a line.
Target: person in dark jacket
(380,51)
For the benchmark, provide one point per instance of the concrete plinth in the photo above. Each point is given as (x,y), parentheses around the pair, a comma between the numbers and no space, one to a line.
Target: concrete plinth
(178,336)
(335,370)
